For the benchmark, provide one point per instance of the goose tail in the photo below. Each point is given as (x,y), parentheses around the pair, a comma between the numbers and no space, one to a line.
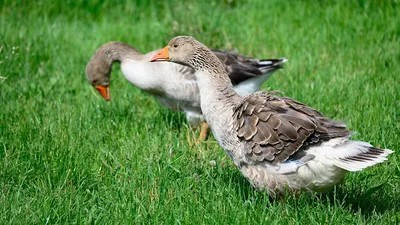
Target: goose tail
(357,155)
(268,65)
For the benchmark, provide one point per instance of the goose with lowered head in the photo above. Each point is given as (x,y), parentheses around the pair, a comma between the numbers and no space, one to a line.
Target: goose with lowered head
(174,85)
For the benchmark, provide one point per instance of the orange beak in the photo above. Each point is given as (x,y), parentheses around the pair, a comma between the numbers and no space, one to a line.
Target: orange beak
(104,91)
(161,55)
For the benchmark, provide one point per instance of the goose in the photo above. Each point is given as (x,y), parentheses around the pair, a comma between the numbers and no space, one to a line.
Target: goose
(174,85)
(277,143)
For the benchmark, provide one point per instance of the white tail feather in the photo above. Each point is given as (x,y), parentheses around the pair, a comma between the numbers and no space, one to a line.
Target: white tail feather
(356,155)
(265,63)
(269,62)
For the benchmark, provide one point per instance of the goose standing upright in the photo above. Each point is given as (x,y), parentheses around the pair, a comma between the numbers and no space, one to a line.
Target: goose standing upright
(174,85)
(276,142)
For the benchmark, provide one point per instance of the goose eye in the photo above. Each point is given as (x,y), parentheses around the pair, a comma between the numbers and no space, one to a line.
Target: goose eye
(175,46)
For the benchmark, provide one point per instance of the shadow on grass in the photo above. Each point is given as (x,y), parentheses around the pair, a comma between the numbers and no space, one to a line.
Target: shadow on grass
(378,199)
(374,200)
(243,188)
(174,120)
(121,113)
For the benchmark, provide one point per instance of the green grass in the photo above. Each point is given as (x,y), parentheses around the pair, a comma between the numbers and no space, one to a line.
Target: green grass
(67,156)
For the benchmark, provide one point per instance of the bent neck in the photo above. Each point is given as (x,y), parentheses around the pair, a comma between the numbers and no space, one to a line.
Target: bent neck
(98,70)
(115,52)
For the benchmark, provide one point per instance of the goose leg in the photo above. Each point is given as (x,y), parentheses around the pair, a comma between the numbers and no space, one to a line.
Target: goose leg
(203,131)
(196,120)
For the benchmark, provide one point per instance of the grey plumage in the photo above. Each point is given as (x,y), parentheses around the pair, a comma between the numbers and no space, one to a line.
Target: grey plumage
(276,128)
(277,143)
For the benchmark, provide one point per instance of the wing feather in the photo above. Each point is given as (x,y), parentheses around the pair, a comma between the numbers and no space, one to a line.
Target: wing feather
(275,128)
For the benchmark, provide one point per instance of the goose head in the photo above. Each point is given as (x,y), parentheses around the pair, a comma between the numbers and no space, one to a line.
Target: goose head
(188,51)
(98,75)
(178,50)
(98,69)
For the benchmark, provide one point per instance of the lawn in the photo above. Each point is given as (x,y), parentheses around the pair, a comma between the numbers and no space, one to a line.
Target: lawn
(69,157)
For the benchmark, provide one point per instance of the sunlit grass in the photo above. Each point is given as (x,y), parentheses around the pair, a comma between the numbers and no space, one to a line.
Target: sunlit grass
(67,156)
